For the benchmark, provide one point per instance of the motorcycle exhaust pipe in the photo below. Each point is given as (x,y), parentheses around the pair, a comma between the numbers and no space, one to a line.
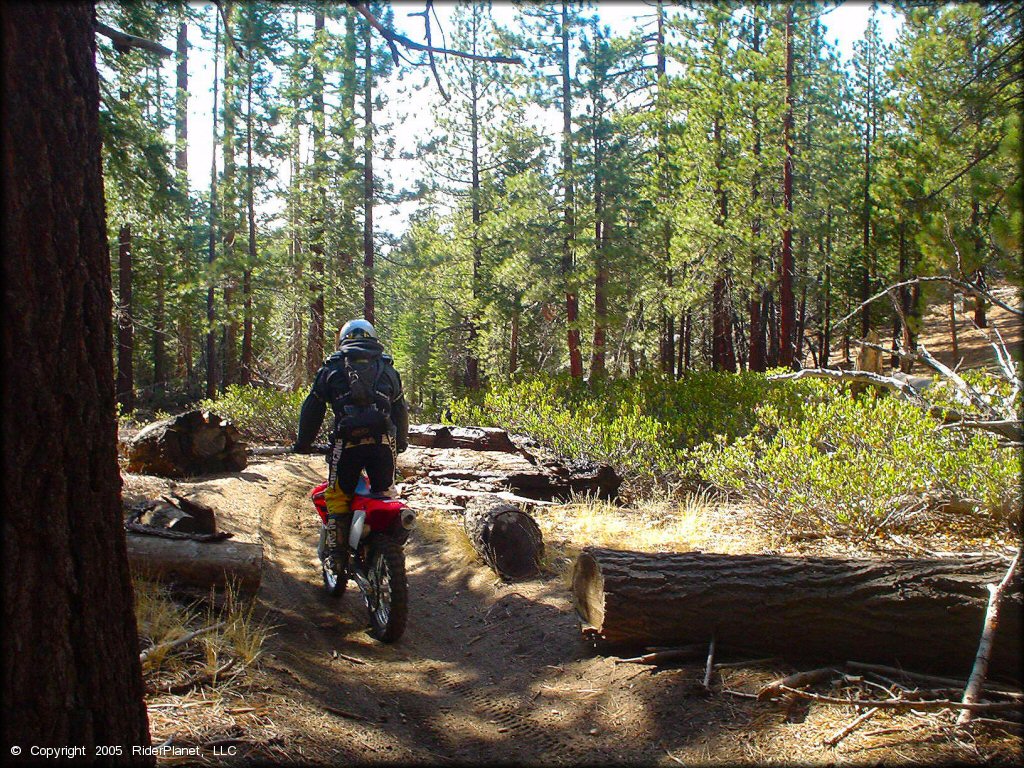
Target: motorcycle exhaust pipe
(356,531)
(408,518)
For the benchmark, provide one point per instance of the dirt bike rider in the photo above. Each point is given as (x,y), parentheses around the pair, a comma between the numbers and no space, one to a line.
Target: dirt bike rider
(371,424)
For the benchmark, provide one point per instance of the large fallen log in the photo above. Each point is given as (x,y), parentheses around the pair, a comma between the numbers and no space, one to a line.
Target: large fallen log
(497,470)
(920,614)
(197,565)
(471,438)
(505,536)
(191,443)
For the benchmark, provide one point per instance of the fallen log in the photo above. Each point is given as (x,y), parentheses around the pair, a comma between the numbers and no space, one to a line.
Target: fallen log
(467,494)
(470,438)
(197,564)
(191,443)
(514,471)
(920,614)
(507,538)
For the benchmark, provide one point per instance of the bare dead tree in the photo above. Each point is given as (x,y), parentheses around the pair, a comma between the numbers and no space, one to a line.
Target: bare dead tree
(993,413)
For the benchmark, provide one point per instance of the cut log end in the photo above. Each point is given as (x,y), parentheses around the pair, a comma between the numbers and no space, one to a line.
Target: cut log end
(588,592)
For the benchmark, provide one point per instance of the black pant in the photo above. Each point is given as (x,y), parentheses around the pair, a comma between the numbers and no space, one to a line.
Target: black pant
(377,460)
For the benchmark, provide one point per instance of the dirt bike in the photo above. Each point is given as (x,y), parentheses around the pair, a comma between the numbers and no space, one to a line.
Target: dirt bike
(376,563)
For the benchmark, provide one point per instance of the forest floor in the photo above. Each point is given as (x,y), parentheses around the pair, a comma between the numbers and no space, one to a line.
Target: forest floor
(496,673)
(489,672)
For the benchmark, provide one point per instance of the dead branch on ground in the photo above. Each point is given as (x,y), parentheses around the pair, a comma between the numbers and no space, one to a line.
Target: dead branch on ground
(180,641)
(980,670)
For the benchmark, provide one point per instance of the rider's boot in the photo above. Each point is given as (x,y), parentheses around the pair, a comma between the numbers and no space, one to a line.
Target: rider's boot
(339,521)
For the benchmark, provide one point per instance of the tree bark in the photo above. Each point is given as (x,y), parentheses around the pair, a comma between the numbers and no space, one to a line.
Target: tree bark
(368,276)
(230,372)
(923,614)
(865,270)
(723,357)
(507,538)
(71,672)
(250,202)
(572,308)
(181,167)
(513,344)
(211,252)
(198,565)
(125,321)
(787,299)
(472,357)
(160,319)
(317,309)
(756,356)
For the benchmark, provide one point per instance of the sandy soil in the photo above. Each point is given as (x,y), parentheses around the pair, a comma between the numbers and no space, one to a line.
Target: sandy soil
(487,672)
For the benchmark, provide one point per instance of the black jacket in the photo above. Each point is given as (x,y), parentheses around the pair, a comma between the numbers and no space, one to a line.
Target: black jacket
(331,385)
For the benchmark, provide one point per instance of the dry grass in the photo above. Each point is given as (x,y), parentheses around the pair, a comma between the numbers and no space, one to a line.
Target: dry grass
(443,528)
(652,525)
(209,660)
(160,619)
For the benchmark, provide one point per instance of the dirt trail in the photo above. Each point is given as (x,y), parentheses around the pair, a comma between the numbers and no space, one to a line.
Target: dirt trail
(464,683)
(486,672)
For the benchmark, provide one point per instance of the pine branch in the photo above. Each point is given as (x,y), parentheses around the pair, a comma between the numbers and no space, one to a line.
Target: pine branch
(394,39)
(123,42)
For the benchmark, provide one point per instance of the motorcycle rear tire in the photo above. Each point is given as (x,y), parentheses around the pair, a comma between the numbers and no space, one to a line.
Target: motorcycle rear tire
(389,606)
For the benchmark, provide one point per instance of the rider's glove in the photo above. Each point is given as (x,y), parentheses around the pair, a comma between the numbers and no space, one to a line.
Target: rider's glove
(296,448)
(401,447)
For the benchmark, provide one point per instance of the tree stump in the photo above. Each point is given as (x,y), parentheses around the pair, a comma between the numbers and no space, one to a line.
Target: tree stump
(506,537)
(192,443)
(921,614)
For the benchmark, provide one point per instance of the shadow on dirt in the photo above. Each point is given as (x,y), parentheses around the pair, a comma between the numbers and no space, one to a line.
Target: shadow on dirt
(486,672)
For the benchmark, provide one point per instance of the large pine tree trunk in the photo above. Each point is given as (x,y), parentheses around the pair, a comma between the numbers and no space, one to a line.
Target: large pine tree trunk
(572,306)
(472,355)
(230,372)
(250,202)
(756,356)
(125,321)
(71,672)
(368,196)
(160,318)
(922,614)
(181,167)
(317,311)
(211,245)
(787,299)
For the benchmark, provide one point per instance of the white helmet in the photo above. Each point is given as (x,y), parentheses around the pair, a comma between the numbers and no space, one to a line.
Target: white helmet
(356,329)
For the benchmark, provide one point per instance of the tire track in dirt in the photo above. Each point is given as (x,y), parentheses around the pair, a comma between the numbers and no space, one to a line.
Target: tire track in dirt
(437,688)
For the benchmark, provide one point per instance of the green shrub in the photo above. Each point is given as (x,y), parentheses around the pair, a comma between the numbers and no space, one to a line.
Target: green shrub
(810,453)
(861,463)
(645,427)
(260,413)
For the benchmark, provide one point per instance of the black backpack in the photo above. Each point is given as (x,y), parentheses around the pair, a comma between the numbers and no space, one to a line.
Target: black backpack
(364,409)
